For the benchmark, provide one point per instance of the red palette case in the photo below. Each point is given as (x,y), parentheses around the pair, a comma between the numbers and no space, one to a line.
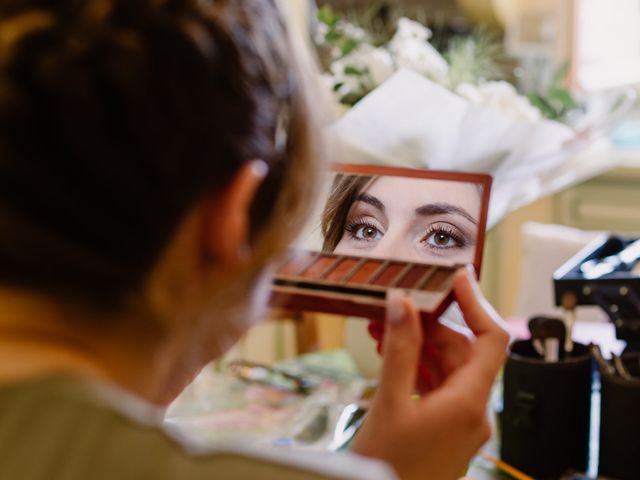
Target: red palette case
(357,285)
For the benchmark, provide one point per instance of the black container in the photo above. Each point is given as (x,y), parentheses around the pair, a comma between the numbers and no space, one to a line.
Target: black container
(546,411)
(619,428)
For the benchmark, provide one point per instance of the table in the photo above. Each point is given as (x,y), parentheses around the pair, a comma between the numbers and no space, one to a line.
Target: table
(219,407)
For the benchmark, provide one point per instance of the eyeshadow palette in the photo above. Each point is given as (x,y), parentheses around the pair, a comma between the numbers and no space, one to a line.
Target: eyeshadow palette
(387,228)
(358,286)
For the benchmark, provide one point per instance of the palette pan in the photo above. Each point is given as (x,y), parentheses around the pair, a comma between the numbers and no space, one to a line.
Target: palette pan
(386,228)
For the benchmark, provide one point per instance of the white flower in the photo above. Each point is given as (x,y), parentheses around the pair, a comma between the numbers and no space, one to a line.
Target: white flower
(352,31)
(345,83)
(320,33)
(375,64)
(410,29)
(377,61)
(421,57)
(327,80)
(411,49)
(500,96)
(470,92)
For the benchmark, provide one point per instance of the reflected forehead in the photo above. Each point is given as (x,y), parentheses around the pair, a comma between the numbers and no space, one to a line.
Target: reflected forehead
(410,193)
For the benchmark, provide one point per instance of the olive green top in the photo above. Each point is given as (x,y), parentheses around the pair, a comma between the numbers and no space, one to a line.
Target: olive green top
(63,428)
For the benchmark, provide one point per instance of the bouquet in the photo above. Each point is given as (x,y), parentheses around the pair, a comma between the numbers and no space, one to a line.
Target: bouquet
(471,67)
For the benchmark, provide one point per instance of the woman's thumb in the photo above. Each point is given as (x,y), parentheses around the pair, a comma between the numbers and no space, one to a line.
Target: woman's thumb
(402,347)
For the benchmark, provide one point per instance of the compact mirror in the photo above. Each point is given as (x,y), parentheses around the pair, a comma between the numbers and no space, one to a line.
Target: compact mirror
(382,228)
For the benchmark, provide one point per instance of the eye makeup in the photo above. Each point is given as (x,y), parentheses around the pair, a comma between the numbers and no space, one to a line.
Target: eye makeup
(357,286)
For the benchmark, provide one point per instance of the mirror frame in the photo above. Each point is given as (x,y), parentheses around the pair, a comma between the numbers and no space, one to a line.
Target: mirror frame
(464,177)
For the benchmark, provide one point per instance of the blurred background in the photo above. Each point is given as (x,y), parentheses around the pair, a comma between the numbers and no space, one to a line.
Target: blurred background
(572,62)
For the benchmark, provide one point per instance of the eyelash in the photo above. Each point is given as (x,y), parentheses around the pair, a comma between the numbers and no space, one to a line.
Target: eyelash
(447,230)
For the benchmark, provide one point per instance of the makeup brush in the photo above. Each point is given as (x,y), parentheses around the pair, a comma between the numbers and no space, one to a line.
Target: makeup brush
(620,367)
(569,302)
(548,337)
(605,367)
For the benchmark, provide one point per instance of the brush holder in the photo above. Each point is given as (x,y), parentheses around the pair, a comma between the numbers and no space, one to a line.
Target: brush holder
(546,411)
(619,427)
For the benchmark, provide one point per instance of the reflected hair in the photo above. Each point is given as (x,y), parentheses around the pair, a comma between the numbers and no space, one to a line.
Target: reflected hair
(344,192)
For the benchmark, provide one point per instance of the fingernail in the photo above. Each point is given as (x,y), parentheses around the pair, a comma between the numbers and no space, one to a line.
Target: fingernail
(471,270)
(260,168)
(395,306)
(473,279)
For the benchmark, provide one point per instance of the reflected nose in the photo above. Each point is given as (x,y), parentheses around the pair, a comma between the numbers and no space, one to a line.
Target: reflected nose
(396,247)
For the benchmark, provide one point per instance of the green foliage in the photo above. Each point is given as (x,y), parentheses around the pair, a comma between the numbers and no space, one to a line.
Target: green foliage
(348,46)
(475,59)
(337,43)
(327,16)
(336,35)
(556,101)
(354,72)
(350,99)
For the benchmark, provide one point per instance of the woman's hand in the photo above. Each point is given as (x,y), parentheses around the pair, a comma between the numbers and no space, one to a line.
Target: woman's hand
(435,436)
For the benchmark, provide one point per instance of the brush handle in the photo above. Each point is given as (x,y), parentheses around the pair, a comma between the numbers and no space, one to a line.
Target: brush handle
(569,319)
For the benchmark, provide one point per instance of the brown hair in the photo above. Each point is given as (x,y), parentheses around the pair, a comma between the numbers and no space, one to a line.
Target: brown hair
(344,192)
(117,116)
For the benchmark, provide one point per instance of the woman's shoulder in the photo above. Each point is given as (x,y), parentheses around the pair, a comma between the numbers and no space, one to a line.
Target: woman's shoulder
(63,427)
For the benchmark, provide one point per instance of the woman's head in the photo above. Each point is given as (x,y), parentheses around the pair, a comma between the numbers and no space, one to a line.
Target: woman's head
(412,219)
(117,117)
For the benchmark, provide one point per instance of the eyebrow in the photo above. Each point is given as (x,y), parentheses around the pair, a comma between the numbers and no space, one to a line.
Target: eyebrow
(373,201)
(445,208)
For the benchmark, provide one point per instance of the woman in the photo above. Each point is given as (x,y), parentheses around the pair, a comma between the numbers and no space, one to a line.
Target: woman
(411,219)
(155,160)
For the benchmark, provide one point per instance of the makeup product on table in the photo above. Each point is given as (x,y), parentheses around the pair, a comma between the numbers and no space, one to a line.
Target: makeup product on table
(252,372)
(348,424)
(387,229)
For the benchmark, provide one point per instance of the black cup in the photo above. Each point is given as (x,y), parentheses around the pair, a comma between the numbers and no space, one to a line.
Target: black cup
(546,411)
(619,428)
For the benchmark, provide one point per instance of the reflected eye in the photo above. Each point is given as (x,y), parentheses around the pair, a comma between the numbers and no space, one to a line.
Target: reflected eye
(368,233)
(441,239)
(365,232)
(444,236)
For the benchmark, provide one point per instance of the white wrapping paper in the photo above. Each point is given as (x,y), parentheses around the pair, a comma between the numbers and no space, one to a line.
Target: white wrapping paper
(413,122)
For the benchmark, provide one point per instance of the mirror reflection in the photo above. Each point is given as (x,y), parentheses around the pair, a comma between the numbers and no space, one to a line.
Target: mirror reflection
(411,219)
